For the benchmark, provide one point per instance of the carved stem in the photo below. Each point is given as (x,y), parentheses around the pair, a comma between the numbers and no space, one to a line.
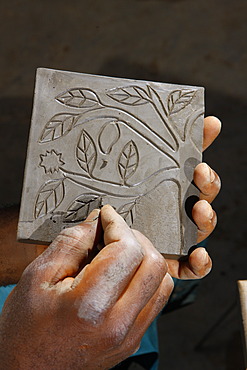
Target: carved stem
(157,142)
(167,124)
(189,123)
(144,124)
(124,191)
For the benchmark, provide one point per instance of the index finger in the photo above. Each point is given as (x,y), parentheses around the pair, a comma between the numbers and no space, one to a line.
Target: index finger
(111,270)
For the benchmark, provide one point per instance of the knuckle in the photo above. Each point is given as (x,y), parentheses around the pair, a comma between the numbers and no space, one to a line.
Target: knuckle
(28,272)
(160,302)
(131,247)
(136,349)
(116,335)
(136,248)
(33,269)
(158,262)
(74,232)
(164,293)
(93,320)
(151,254)
(132,344)
(73,238)
(168,280)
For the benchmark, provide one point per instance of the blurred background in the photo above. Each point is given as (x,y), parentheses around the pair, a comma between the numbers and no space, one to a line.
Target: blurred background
(194,42)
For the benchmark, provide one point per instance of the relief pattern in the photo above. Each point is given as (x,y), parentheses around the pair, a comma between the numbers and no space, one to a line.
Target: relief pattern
(87,106)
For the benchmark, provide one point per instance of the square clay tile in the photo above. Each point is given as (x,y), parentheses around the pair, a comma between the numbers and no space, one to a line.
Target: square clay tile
(98,140)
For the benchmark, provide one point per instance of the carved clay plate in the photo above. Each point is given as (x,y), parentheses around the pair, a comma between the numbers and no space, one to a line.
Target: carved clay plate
(98,140)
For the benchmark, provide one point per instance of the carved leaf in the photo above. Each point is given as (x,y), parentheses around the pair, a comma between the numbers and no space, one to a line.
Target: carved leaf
(127,211)
(130,95)
(82,206)
(128,160)
(179,99)
(109,135)
(78,98)
(49,197)
(86,152)
(59,125)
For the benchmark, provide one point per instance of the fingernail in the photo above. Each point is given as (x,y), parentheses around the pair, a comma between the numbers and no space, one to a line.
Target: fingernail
(206,209)
(108,206)
(211,215)
(204,256)
(213,219)
(93,216)
(212,176)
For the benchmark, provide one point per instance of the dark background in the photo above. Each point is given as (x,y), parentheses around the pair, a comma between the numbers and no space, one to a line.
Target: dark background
(181,41)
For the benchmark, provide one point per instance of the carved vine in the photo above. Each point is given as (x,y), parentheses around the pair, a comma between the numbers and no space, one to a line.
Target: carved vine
(90,106)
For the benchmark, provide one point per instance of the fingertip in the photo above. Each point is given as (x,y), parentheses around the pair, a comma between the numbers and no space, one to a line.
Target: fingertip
(205,218)
(108,215)
(202,210)
(107,208)
(200,262)
(201,255)
(204,213)
(93,216)
(108,212)
(202,174)
(214,123)
(212,128)
(114,226)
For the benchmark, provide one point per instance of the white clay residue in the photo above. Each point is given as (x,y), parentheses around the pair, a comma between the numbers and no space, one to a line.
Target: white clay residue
(108,287)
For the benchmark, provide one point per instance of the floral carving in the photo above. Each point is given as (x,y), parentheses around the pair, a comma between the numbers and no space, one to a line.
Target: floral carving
(127,211)
(49,197)
(51,161)
(128,160)
(130,95)
(86,152)
(58,126)
(90,105)
(82,206)
(78,98)
(179,99)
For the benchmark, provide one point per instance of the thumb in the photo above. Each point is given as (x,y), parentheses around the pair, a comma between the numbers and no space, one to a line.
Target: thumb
(70,251)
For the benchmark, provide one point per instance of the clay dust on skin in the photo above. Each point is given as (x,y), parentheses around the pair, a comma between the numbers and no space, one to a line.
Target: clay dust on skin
(109,285)
(72,242)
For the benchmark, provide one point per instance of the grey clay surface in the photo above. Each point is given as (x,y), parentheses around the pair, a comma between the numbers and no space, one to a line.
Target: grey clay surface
(98,140)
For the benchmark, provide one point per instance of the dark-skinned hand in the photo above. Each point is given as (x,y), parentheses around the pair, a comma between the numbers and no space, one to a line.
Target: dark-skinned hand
(77,308)
(198,263)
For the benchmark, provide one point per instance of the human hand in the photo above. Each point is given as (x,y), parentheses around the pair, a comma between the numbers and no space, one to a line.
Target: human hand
(70,311)
(198,264)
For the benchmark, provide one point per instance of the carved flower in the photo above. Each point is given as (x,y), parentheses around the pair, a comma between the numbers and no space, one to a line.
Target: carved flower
(51,161)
